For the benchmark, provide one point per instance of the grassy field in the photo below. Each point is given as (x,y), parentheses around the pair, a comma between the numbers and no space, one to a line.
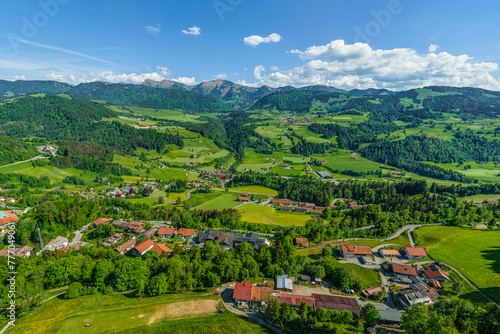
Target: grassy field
(119,313)
(56,175)
(257,190)
(216,201)
(476,254)
(250,211)
(481,198)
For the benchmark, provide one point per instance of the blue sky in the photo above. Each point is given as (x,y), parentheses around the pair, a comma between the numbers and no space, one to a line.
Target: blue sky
(400,43)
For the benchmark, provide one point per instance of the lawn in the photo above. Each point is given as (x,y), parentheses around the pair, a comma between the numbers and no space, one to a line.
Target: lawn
(481,198)
(120,313)
(56,175)
(475,253)
(221,201)
(256,190)
(250,214)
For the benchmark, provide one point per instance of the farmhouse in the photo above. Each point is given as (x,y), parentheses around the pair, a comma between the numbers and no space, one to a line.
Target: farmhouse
(389,252)
(166,232)
(412,252)
(186,233)
(339,303)
(242,292)
(261,293)
(126,246)
(433,273)
(304,242)
(353,251)
(243,198)
(101,221)
(403,269)
(295,300)
(143,247)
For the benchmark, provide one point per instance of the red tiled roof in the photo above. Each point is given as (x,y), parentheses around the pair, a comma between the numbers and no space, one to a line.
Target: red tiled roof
(144,245)
(372,291)
(415,251)
(186,232)
(429,273)
(295,300)
(123,247)
(339,303)
(243,291)
(101,221)
(160,248)
(404,269)
(244,198)
(302,241)
(261,293)
(166,231)
(356,250)
(9,219)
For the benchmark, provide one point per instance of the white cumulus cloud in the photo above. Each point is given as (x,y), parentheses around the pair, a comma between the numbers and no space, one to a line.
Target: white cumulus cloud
(433,48)
(221,76)
(186,80)
(192,31)
(351,66)
(19,77)
(255,40)
(164,70)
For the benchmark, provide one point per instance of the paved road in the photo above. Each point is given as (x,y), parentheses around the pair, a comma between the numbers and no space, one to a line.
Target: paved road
(20,162)
(79,234)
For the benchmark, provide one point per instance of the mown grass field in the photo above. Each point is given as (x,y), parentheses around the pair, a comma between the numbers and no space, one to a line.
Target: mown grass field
(257,190)
(481,198)
(214,201)
(475,253)
(56,175)
(118,313)
(250,214)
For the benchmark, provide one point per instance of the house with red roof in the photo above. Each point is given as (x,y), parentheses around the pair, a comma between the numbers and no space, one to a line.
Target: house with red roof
(339,303)
(101,221)
(434,273)
(412,252)
(160,249)
(166,232)
(353,251)
(143,247)
(242,292)
(186,233)
(304,242)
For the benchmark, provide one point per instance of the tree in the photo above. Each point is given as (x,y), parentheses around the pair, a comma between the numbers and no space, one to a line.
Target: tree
(157,285)
(178,201)
(370,315)
(489,323)
(326,251)
(75,290)
(273,311)
(416,321)
(104,231)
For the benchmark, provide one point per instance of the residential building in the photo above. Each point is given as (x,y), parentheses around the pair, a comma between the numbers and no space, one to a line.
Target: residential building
(242,292)
(339,303)
(243,198)
(149,233)
(372,291)
(24,251)
(353,251)
(126,246)
(121,224)
(433,273)
(304,242)
(166,232)
(323,174)
(101,221)
(186,233)
(135,227)
(412,252)
(302,209)
(144,246)
(160,249)
(7,217)
(113,239)
(403,269)
(286,208)
(261,293)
